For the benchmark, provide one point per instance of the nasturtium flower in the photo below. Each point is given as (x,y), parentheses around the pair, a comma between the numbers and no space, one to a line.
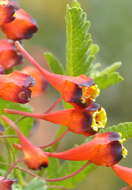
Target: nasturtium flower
(40,82)
(6,12)
(9,56)
(79,91)
(22,27)
(81,121)
(15,87)
(34,157)
(6,184)
(124,173)
(105,149)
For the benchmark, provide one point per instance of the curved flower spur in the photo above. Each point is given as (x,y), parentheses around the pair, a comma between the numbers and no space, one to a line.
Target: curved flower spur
(34,157)
(105,149)
(123,173)
(86,121)
(79,91)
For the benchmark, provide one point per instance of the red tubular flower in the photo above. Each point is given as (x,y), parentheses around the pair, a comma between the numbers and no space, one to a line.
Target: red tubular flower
(79,91)
(6,12)
(9,56)
(124,173)
(34,157)
(104,149)
(86,121)
(5,184)
(15,87)
(40,82)
(22,27)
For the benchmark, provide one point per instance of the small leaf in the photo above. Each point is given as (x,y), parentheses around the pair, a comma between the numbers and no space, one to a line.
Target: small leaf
(108,76)
(54,63)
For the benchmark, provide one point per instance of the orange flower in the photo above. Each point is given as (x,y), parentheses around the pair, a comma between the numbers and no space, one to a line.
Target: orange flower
(124,173)
(40,82)
(9,55)
(79,91)
(104,149)
(6,12)
(85,121)
(15,87)
(22,27)
(5,184)
(34,157)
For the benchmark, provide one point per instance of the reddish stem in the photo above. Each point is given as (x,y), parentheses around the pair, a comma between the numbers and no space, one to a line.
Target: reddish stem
(38,116)
(8,136)
(12,167)
(27,114)
(56,179)
(70,175)
(30,58)
(56,140)
(53,105)
(35,175)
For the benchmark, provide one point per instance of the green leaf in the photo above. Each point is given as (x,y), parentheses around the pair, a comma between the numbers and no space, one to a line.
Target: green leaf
(108,76)
(36,184)
(124,128)
(16,187)
(68,167)
(80,51)
(54,63)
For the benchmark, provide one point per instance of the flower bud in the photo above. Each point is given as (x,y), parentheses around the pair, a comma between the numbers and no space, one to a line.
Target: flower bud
(9,55)
(6,12)
(22,27)
(15,87)
(5,184)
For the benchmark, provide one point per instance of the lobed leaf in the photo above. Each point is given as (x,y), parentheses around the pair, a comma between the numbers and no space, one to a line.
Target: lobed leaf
(80,51)
(108,76)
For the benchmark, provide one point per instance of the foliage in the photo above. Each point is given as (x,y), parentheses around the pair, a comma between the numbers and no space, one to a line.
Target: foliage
(80,59)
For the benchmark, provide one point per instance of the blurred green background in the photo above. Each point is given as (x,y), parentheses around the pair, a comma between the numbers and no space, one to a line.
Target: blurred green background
(112,31)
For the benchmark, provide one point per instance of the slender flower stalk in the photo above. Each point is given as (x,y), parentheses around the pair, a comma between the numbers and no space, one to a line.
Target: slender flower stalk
(34,157)
(56,140)
(80,91)
(70,175)
(53,105)
(85,121)
(60,178)
(124,173)
(104,149)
